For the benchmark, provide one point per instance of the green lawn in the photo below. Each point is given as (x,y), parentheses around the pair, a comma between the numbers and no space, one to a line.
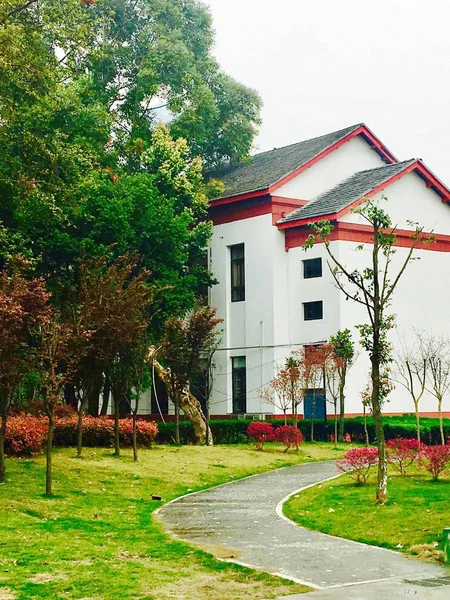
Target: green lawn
(412,521)
(96,538)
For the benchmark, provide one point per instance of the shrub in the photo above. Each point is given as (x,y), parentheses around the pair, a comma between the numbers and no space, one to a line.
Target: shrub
(357,463)
(289,436)
(435,459)
(25,435)
(260,432)
(402,452)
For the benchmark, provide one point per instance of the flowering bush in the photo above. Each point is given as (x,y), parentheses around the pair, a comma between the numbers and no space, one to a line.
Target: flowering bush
(402,452)
(260,432)
(357,463)
(289,436)
(435,459)
(25,435)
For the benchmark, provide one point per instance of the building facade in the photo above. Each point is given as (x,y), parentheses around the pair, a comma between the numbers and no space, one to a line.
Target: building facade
(275,298)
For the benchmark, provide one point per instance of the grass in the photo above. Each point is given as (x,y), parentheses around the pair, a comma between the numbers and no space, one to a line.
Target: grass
(412,520)
(95,538)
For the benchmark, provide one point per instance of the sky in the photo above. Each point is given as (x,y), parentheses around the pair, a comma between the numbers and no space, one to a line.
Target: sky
(322,65)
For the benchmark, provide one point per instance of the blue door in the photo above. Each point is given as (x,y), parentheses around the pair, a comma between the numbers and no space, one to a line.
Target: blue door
(315,405)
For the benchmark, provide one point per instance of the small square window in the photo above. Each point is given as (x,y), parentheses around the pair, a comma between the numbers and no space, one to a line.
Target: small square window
(312,268)
(313,311)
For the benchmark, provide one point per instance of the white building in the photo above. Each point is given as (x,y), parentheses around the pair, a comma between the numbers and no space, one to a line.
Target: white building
(274,297)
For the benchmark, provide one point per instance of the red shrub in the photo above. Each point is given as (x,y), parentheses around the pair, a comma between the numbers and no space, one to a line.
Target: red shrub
(25,435)
(289,436)
(146,432)
(357,463)
(402,452)
(435,459)
(261,432)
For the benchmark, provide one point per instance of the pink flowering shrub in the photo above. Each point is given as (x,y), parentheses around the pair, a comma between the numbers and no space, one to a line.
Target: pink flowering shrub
(260,432)
(403,452)
(289,436)
(357,463)
(435,459)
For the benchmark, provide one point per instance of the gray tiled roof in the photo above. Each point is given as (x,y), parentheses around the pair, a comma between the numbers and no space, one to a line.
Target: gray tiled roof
(268,168)
(346,192)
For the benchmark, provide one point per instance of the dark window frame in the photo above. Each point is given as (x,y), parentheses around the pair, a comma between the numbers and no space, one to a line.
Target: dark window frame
(239,385)
(311,310)
(237,267)
(314,266)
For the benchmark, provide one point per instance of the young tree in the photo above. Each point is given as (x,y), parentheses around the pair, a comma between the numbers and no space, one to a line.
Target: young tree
(438,377)
(23,307)
(110,313)
(185,343)
(411,367)
(315,358)
(284,390)
(343,352)
(373,288)
(332,387)
(56,361)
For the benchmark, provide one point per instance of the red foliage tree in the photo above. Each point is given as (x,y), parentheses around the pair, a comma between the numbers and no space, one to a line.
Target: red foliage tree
(23,306)
(289,436)
(403,452)
(435,459)
(260,432)
(357,462)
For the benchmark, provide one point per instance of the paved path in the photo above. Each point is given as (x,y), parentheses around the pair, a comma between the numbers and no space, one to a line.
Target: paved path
(243,519)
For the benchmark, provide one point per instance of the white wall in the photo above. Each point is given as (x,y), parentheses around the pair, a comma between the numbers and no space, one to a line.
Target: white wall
(353,156)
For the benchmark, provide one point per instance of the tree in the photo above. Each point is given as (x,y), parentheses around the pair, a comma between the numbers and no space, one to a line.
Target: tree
(315,359)
(343,352)
(284,390)
(56,361)
(437,351)
(110,312)
(373,288)
(23,308)
(411,367)
(185,343)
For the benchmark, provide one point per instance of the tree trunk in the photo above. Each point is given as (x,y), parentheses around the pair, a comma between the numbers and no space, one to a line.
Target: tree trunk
(81,409)
(177,421)
(94,396)
(135,454)
(381,495)
(416,409)
(106,395)
(208,428)
(335,425)
(4,417)
(48,453)
(116,427)
(341,408)
(366,432)
(441,421)
(285,417)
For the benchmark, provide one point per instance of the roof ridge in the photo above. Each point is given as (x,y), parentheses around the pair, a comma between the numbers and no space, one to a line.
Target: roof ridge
(316,137)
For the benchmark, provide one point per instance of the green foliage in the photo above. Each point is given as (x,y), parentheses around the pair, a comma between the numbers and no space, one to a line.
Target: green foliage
(343,346)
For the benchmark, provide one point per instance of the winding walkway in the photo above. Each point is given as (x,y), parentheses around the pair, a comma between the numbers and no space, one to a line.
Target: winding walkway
(243,522)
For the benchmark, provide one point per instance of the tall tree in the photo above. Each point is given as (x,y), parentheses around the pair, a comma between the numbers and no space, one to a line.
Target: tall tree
(23,308)
(373,288)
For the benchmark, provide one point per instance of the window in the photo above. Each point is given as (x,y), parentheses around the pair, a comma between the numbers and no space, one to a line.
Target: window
(312,268)
(237,273)
(313,310)
(239,378)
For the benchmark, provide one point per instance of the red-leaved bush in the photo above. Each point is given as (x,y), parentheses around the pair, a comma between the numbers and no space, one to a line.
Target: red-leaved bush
(357,463)
(26,435)
(435,459)
(289,436)
(260,432)
(403,452)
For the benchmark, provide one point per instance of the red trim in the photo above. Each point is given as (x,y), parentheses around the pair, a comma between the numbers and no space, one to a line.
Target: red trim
(363,234)
(253,207)
(417,166)
(358,131)
(246,196)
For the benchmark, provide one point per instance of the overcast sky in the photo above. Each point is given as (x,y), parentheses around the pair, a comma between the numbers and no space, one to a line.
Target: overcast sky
(322,65)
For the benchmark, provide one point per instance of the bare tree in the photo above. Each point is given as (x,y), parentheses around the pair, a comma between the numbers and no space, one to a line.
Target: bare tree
(285,390)
(438,376)
(411,366)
